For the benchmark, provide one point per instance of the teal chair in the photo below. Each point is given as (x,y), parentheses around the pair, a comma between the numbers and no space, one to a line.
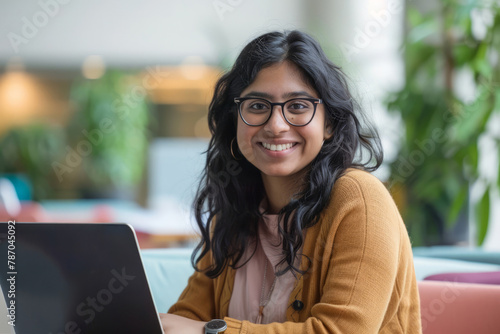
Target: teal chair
(427,266)
(168,271)
(475,254)
(21,184)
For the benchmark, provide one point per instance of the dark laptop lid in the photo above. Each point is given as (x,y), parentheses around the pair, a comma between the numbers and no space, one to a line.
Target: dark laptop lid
(76,278)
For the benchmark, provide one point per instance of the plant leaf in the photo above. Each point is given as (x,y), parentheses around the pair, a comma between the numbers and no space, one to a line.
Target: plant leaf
(483,216)
(457,206)
(473,118)
(462,54)
(498,176)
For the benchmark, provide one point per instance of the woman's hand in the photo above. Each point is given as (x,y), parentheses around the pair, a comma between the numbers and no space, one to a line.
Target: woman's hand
(174,324)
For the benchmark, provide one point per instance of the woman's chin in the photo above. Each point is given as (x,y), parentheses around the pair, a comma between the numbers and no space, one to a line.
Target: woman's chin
(280,172)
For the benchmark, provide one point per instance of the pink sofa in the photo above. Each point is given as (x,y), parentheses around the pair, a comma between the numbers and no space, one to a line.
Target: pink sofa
(459,308)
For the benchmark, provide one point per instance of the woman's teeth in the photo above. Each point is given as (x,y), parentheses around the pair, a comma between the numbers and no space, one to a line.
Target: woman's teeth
(280,147)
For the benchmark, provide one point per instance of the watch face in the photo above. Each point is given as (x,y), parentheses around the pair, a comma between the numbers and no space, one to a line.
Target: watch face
(216,325)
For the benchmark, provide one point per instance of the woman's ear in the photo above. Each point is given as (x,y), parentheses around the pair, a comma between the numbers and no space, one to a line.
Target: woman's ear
(328,131)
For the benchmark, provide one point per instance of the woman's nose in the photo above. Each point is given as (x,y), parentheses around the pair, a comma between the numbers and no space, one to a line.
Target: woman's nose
(277,123)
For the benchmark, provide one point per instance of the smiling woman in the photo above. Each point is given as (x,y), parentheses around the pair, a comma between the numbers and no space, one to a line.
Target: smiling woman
(304,239)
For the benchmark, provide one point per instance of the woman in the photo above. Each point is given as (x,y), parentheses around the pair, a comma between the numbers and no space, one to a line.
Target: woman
(298,237)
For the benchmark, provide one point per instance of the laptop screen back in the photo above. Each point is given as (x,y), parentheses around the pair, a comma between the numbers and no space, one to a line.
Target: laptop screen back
(76,278)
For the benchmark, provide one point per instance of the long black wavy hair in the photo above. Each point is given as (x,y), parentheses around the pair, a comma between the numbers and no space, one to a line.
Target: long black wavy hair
(227,202)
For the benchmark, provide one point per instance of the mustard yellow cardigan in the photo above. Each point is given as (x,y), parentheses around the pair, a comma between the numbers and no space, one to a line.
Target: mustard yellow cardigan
(361,278)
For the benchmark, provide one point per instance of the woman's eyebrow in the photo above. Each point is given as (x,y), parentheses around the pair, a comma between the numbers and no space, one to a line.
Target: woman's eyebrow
(259,94)
(289,95)
(302,93)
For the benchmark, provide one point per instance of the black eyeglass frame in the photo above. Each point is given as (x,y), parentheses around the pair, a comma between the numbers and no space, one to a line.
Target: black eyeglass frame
(239,100)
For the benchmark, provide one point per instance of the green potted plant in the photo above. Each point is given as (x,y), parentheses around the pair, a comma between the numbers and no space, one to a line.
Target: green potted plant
(108,134)
(29,152)
(438,158)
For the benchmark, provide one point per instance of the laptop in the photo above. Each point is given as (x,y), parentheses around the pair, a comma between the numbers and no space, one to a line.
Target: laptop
(60,278)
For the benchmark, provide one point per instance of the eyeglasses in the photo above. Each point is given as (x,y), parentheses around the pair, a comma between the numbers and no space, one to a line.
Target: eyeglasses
(256,111)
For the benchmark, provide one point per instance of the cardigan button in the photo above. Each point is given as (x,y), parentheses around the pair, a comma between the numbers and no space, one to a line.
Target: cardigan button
(298,305)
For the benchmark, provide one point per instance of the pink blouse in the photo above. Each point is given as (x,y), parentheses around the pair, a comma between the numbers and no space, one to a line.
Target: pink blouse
(247,293)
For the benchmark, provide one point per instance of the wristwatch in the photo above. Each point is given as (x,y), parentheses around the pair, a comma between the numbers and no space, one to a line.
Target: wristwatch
(215,326)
